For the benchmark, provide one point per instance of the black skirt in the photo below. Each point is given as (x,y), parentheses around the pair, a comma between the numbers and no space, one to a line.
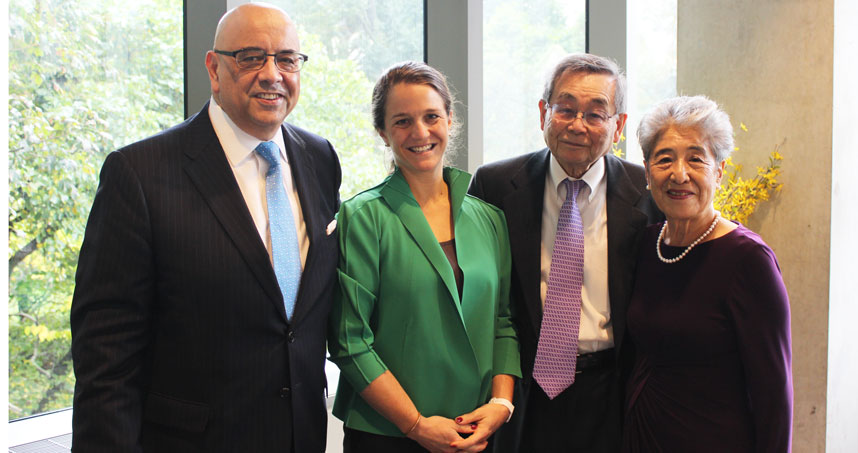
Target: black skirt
(355,441)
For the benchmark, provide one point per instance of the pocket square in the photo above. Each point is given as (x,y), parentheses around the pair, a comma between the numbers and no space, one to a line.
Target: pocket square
(331,227)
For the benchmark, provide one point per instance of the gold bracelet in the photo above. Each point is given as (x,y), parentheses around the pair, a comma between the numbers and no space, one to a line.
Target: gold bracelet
(416,422)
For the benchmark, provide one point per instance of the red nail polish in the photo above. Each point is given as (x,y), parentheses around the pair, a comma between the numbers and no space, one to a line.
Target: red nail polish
(473,426)
(458,419)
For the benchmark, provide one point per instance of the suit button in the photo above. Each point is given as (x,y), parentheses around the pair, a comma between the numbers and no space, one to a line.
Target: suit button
(284,392)
(291,336)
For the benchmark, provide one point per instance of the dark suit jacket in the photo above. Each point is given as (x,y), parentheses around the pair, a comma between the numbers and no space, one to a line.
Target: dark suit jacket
(517,186)
(179,334)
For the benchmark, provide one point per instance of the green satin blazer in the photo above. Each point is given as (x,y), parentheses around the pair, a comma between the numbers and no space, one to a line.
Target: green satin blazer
(397,306)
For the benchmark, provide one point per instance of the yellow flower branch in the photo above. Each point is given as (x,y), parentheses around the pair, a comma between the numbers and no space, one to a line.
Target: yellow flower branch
(738,198)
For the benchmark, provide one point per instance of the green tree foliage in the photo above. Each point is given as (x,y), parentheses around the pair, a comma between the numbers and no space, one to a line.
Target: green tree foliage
(522,41)
(85,77)
(334,103)
(89,76)
(373,34)
(350,44)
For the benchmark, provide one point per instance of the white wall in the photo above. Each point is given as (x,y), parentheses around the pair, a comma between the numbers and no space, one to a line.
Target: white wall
(842,409)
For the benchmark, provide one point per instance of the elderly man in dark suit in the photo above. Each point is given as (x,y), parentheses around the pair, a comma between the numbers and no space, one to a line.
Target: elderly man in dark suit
(573,261)
(205,275)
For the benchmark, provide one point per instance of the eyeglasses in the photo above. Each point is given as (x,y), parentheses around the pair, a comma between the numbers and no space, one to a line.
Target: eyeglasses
(254,59)
(593,118)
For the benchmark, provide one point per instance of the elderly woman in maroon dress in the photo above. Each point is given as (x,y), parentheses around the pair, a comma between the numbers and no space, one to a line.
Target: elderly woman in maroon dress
(710,315)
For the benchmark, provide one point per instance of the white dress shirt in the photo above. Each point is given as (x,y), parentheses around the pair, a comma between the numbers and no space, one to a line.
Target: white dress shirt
(249,169)
(595,333)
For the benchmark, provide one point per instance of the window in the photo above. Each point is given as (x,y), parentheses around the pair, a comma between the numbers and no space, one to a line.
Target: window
(651,63)
(521,42)
(350,44)
(85,77)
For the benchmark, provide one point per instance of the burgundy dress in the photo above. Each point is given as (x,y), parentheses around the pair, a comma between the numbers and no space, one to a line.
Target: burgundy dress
(712,338)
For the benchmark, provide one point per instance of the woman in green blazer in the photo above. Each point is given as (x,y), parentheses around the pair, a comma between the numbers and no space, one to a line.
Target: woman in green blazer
(421,327)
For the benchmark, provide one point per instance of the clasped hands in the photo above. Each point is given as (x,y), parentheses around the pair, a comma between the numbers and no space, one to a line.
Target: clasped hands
(443,435)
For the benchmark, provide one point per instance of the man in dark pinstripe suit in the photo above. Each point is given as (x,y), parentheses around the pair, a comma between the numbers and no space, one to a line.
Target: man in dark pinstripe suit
(180,338)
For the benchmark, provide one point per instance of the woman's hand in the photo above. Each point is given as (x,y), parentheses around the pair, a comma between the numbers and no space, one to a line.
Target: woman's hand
(487,418)
(437,434)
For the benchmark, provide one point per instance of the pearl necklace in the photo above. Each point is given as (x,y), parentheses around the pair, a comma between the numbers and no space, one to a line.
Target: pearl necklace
(688,249)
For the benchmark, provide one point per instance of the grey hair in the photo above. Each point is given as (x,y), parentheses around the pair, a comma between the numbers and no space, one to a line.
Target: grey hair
(589,64)
(696,112)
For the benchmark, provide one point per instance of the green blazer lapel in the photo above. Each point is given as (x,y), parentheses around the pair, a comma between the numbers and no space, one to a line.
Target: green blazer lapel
(398,196)
(458,182)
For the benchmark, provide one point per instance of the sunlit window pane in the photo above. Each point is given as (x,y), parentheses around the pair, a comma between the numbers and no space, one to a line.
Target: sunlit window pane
(651,62)
(85,77)
(521,41)
(350,44)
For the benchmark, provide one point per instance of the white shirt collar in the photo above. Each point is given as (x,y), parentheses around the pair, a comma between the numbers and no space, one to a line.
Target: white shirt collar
(237,144)
(592,178)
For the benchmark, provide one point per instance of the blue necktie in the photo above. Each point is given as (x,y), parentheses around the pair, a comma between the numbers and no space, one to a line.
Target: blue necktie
(284,239)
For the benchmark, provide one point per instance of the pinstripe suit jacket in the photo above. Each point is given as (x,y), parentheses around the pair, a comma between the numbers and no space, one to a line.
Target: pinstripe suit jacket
(179,335)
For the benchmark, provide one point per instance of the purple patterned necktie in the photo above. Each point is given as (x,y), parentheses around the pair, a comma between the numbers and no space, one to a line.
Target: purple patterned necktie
(554,368)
